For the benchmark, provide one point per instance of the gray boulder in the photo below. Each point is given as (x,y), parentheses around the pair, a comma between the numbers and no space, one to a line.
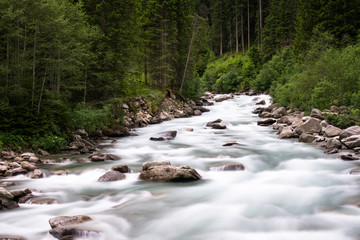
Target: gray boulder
(121,168)
(354,130)
(286,132)
(352,141)
(311,125)
(266,122)
(316,113)
(278,112)
(112,176)
(163,136)
(306,138)
(333,143)
(331,131)
(163,172)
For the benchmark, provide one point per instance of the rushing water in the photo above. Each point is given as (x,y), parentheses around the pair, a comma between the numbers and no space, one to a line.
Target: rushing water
(288,191)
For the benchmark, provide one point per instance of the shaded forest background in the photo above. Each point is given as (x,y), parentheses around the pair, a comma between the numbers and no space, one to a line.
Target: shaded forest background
(65,63)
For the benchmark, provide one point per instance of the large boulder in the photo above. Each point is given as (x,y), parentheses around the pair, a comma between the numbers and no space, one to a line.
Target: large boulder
(278,112)
(354,130)
(331,131)
(311,125)
(163,172)
(352,141)
(112,176)
(71,227)
(333,143)
(316,113)
(286,132)
(306,138)
(266,122)
(163,136)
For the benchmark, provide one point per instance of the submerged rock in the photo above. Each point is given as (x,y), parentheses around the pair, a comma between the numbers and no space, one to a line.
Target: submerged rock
(164,172)
(112,176)
(42,201)
(163,136)
(11,237)
(121,168)
(230,167)
(70,227)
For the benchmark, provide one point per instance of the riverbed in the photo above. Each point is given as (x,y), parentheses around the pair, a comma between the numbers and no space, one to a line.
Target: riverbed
(288,190)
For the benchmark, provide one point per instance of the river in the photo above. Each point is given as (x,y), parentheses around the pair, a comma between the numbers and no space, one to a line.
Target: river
(288,190)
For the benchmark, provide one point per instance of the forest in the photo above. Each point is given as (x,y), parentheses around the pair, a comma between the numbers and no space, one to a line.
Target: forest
(65,63)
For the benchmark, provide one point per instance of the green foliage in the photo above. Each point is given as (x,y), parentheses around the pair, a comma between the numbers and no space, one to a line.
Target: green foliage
(50,143)
(349,118)
(91,119)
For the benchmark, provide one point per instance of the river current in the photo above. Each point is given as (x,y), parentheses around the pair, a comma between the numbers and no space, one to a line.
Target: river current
(288,190)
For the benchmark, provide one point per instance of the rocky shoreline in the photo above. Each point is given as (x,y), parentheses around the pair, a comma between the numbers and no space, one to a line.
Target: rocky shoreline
(292,123)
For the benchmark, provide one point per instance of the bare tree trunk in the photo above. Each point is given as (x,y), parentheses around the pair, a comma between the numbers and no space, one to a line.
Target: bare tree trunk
(42,90)
(221,31)
(24,53)
(248,12)
(230,36)
(146,68)
(58,80)
(7,63)
(188,55)
(260,25)
(33,73)
(85,85)
(242,33)
(237,33)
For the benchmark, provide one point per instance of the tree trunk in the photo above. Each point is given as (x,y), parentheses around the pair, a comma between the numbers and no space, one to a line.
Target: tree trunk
(188,55)
(24,53)
(221,31)
(85,85)
(260,25)
(42,90)
(7,63)
(248,12)
(242,33)
(33,73)
(230,36)
(236,33)
(58,79)
(146,68)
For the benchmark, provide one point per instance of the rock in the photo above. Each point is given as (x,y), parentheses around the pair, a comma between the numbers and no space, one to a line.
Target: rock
(286,132)
(288,119)
(222,98)
(349,157)
(324,123)
(36,174)
(265,114)
(163,136)
(278,112)
(262,102)
(337,110)
(333,143)
(230,144)
(210,124)
(3,168)
(121,168)
(355,172)
(63,221)
(42,201)
(6,194)
(11,237)
(112,176)
(331,131)
(27,155)
(197,112)
(43,152)
(69,227)
(34,159)
(354,130)
(82,133)
(258,110)
(14,165)
(266,121)
(59,172)
(26,198)
(306,138)
(231,167)
(189,129)
(112,157)
(9,204)
(148,165)
(352,141)
(311,125)
(316,113)
(15,172)
(18,194)
(218,126)
(7,184)
(169,173)
(331,151)
(28,166)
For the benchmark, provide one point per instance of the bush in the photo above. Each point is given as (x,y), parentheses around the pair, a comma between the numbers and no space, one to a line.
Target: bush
(50,143)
